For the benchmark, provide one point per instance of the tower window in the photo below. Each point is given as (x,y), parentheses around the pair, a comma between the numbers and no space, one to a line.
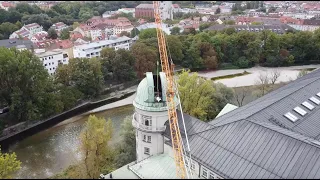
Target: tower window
(146,120)
(149,139)
(146,151)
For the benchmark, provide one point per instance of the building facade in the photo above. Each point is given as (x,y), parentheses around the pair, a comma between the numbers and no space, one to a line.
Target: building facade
(93,49)
(51,59)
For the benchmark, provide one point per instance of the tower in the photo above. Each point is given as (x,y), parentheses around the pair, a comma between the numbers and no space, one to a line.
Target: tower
(150,115)
(166,10)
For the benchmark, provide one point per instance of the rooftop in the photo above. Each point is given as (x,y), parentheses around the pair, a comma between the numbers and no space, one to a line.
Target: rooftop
(103,42)
(257,141)
(8,43)
(145,6)
(50,53)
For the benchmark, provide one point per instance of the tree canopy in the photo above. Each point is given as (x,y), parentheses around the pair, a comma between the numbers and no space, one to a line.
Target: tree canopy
(8,165)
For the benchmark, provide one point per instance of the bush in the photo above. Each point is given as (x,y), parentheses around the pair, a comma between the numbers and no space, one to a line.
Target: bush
(243,62)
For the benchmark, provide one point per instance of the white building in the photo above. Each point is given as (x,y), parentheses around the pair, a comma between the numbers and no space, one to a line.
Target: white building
(27,31)
(59,26)
(51,59)
(166,10)
(93,49)
(122,26)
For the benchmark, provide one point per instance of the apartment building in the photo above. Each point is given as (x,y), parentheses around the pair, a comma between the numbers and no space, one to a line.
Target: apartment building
(93,49)
(27,31)
(51,59)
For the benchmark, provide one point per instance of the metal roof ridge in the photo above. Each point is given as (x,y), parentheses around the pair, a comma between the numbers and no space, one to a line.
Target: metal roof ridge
(284,131)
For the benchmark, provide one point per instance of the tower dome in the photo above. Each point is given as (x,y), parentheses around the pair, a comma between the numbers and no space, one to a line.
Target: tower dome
(151,93)
(150,115)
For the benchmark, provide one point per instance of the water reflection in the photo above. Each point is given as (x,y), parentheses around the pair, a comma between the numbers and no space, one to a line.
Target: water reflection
(50,151)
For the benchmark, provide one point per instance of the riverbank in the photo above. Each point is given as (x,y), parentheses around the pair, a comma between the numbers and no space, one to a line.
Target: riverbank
(32,129)
(286,74)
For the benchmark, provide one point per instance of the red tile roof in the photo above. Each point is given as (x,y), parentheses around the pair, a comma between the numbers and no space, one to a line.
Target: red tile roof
(7,4)
(175,5)
(64,44)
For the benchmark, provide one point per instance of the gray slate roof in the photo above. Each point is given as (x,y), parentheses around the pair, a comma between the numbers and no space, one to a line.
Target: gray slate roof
(244,143)
(8,43)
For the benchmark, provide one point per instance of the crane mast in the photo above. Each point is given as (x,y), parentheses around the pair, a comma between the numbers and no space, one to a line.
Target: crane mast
(168,69)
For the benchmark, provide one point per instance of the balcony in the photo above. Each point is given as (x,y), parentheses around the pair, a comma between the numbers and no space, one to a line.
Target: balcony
(143,127)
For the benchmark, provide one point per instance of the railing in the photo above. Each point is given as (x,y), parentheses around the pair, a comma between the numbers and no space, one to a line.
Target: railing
(143,127)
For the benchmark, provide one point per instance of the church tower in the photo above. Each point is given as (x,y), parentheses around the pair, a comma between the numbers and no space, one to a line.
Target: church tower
(150,115)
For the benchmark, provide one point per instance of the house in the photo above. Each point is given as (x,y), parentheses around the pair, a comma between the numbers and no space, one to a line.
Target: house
(242,20)
(273,137)
(59,26)
(51,59)
(122,26)
(93,49)
(27,31)
(39,37)
(176,8)
(6,5)
(307,25)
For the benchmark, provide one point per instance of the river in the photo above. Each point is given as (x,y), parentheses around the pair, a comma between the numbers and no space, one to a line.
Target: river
(51,151)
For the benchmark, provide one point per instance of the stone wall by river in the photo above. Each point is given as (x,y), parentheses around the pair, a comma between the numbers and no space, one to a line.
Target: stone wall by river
(50,151)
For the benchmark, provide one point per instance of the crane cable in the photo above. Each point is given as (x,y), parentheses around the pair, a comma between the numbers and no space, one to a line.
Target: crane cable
(189,160)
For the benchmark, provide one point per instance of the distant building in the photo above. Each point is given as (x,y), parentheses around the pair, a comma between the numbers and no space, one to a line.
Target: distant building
(6,5)
(147,10)
(51,59)
(176,8)
(27,31)
(242,20)
(307,25)
(165,27)
(59,26)
(93,49)
(108,14)
(279,29)
(144,11)
(39,37)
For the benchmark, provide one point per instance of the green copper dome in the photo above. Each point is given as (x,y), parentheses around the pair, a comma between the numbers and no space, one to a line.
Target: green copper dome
(151,93)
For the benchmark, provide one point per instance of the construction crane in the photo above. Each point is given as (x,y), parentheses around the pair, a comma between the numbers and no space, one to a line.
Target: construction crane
(168,68)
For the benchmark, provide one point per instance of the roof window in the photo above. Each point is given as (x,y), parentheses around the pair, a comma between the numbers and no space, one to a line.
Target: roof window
(291,117)
(300,111)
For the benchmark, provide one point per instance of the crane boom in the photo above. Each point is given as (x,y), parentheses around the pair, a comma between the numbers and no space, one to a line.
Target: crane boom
(168,69)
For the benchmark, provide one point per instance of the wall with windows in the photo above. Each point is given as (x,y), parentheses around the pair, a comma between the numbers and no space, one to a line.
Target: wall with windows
(51,60)
(149,128)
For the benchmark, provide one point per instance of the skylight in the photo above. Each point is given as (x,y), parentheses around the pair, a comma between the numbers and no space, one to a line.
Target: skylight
(291,117)
(300,111)
(308,105)
(318,94)
(315,100)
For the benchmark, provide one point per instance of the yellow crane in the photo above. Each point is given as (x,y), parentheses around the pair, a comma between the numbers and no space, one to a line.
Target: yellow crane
(168,69)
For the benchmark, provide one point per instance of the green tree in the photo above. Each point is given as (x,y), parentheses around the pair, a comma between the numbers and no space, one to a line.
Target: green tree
(148,33)
(145,58)
(25,85)
(125,33)
(65,33)
(195,94)
(175,31)
(8,165)
(175,49)
(42,19)
(52,34)
(6,29)
(122,66)
(126,148)
(134,32)
(98,156)
(221,97)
